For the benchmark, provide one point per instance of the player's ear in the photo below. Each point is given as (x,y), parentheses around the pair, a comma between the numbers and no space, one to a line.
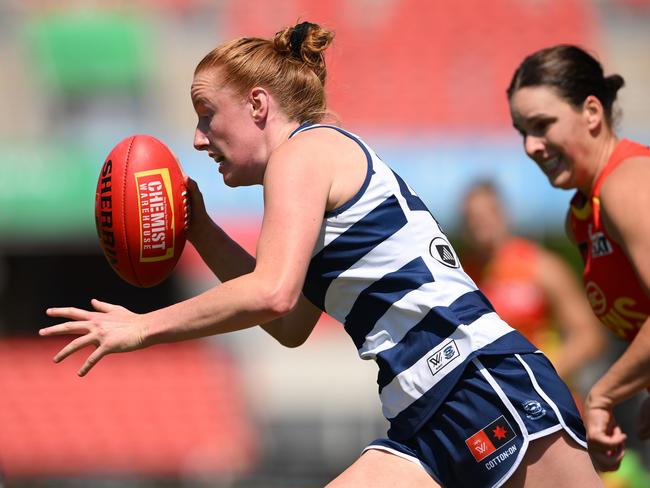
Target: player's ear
(593,111)
(258,100)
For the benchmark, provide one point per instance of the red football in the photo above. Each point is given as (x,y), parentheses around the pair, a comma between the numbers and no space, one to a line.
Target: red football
(141,210)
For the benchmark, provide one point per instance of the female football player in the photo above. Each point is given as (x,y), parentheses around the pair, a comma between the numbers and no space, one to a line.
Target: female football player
(469,400)
(562,104)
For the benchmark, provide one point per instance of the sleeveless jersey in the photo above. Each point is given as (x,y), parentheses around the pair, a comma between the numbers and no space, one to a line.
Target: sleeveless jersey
(509,281)
(613,289)
(384,269)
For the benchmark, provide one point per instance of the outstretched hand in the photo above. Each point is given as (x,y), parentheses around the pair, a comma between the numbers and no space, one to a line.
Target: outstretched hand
(605,439)
(111,328)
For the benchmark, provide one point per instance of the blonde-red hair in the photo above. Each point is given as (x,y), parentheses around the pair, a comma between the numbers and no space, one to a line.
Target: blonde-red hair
(290,66)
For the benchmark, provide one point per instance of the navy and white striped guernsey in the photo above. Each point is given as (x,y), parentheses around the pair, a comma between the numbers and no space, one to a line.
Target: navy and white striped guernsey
(383,267)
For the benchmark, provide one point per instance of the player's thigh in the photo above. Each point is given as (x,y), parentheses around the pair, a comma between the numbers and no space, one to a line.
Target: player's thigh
(555,460)
(380,469)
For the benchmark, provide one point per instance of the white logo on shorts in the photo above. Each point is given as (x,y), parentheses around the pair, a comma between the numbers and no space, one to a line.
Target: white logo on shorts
(533,409)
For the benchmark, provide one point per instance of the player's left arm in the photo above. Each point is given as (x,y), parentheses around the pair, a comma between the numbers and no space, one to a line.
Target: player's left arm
(625,200)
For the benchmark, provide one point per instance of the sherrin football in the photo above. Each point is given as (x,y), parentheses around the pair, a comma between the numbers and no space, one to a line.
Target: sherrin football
(141,210)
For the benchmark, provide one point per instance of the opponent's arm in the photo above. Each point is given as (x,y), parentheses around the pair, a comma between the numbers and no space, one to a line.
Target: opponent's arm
(624,198)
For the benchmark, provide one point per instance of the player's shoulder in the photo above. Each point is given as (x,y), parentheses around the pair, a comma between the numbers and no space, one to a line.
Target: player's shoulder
(624,196)
(317,145)
(521,246)
(625,188)
(630,174)
(310,152)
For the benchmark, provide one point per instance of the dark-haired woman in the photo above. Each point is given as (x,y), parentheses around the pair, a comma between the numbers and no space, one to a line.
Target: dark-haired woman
(470,401)
(562,104)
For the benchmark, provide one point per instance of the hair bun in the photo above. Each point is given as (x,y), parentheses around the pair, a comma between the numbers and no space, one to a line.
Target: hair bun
(614,83)
(305,42)
(297,37)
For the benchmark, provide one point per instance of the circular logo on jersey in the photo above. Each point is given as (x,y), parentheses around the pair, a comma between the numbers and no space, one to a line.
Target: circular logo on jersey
(442,252)
(533,409)
(596,298)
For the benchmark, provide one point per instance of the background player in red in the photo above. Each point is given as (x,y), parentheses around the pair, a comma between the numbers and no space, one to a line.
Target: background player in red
(562,105)
(531,288)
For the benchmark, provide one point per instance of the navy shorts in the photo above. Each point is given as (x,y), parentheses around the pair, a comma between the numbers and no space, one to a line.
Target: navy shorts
(479,435)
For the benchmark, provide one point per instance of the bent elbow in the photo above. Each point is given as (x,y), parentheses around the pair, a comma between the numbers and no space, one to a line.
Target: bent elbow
(292,342)
(280,302)
(285,333)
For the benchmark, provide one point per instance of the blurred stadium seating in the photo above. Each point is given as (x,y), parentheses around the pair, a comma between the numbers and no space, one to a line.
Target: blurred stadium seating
(171,411)
(425,65)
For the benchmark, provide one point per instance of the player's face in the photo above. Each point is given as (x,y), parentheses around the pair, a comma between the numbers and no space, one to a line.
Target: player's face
(554,134)
(483,220)
(226,130)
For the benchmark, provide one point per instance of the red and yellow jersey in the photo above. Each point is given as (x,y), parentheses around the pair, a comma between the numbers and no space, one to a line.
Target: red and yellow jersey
(613,289)
(509,281)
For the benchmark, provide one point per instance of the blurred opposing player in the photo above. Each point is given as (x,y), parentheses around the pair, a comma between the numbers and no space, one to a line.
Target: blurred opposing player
(469,400)
(562,104)
(531,288)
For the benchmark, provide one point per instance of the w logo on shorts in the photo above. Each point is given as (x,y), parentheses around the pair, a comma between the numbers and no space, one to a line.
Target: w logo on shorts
(442,356)
(490,438)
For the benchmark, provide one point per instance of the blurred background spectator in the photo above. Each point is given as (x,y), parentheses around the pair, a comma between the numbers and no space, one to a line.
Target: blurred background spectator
(530,288)
(78,76)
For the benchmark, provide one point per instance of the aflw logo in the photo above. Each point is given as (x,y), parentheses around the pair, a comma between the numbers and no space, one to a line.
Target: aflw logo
(600,246)
(442,356)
